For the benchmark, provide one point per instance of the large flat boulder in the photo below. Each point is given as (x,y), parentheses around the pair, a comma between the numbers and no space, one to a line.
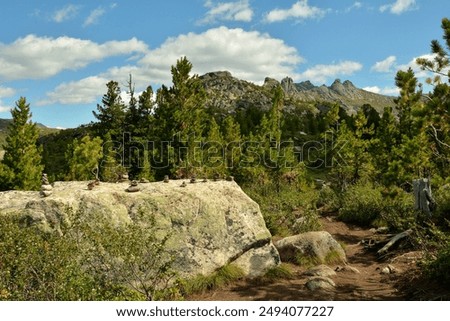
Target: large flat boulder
(210,223)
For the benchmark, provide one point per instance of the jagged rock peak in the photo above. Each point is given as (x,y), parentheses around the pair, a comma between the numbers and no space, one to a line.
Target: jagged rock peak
(270,82)
(349,84)
(217,74)
(288,85)
(305,85)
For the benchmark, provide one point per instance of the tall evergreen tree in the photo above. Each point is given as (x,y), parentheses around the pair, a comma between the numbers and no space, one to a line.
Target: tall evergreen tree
(180,117)
(22,156)
(111,114)
(437,109)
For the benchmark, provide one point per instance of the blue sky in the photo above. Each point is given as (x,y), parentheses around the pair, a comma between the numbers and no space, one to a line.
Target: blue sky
(60,55)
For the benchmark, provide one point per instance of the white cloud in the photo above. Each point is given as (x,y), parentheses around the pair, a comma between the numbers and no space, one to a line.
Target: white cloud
(247,55)
(356,5)
(228,11)
(66,13)
(6,92)
(384,65)
(94,16)
(42,57)
(84,91)
(415,67)
(299,10)
(389,91)
(321,73)
(399,6)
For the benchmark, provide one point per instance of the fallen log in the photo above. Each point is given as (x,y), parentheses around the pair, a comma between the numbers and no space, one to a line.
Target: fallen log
(393,240)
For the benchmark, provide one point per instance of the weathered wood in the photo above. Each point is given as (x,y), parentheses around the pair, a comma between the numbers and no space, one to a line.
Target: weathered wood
(393,240)
(422,195)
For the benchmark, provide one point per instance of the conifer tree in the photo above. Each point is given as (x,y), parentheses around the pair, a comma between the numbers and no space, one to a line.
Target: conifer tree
(214,152)
(22,158)
(111,114)
(232,143)
(437,109)
(180,117)
(83,158)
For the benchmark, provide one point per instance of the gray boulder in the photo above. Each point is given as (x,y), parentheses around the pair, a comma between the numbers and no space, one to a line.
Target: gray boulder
(210,224)
(314,247)
(320,283)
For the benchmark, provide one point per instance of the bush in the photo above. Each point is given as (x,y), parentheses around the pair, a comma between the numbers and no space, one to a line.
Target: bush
(442,197)
(362,204)
(398,213)
(286,211)
(328,200)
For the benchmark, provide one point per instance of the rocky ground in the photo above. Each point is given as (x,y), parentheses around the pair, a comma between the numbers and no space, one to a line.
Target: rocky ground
(369,278)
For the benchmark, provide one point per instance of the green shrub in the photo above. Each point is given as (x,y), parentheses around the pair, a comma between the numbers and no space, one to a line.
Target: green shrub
(220,278)
(442,197)
(288,210)
(398,213)
(328,200)
(439,269)
(362,204)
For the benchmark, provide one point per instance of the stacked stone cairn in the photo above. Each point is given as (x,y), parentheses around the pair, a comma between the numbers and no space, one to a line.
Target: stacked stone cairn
(46,188)
(133,187)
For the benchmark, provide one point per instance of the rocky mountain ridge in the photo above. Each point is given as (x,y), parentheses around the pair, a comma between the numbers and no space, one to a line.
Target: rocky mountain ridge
(229,93)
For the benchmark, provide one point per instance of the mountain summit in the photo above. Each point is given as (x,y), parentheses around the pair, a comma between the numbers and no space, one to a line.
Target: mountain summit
(228,93)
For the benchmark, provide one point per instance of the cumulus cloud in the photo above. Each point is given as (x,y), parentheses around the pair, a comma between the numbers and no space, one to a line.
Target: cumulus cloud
(384,65)
(389,91)
(84,91)
(228,11)
(399,6)
(66,13)
(247,55)
(321,73)
(36,57)
(356,5)
(94,16)
(6,92)
(299,10)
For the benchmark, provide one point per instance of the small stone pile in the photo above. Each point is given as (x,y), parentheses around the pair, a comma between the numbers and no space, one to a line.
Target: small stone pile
(133,187)
(46,188)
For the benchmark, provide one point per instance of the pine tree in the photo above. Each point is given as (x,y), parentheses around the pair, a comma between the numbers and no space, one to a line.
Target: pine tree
(232,143)
(214,152)
(437,109)
(111,114)
(22,156)
(180,117)
(83,158)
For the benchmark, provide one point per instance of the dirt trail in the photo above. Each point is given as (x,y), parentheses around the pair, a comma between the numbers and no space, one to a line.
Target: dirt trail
(367,283)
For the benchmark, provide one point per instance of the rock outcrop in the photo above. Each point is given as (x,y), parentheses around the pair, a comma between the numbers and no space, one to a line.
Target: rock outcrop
(211,224)
(227,93)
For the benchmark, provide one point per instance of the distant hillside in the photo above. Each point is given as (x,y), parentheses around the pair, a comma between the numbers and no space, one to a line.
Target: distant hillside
(229,93)
(43,130)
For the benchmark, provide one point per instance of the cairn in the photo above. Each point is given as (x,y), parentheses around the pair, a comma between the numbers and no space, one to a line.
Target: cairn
(166,178)
(216,177)
(123,178)
(46,188)
(133,187)
(193,180)
(230,178)
(183,184)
